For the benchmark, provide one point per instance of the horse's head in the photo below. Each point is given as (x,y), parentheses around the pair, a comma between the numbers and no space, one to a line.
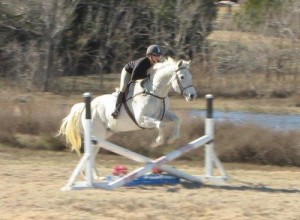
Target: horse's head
(182,80)
(173,74)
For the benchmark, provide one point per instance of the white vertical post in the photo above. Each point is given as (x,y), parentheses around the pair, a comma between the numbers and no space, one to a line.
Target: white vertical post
(88,147)
(209,130)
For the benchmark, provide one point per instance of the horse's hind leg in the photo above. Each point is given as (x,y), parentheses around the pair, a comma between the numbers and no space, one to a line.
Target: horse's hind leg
(96,150)
(99,133)
(97,147)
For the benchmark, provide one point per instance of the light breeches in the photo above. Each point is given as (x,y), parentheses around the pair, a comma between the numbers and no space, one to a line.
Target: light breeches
(125,79)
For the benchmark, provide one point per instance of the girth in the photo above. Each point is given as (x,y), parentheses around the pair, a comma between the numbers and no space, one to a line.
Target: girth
(137,94)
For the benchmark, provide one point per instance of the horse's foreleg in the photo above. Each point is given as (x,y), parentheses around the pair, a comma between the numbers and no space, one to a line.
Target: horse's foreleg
(161,135)
(149,122)
(171,116)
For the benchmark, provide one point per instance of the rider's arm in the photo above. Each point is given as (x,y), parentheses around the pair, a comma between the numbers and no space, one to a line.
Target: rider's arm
(140,69)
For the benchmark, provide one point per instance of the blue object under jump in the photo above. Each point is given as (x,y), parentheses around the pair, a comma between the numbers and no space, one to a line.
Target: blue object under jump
(151,179)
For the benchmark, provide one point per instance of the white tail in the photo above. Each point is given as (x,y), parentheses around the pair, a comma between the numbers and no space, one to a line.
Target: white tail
(70,127)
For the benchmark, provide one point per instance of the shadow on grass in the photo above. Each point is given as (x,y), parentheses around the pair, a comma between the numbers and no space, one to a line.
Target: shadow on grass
(256,188)
(250,187)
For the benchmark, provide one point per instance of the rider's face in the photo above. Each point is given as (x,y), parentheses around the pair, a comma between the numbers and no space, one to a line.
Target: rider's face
(155,58)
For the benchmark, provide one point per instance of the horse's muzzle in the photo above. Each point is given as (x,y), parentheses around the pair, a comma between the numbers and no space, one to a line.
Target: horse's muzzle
(190,97)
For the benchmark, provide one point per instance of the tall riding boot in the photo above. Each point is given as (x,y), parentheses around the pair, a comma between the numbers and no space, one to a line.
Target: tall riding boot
(119,102)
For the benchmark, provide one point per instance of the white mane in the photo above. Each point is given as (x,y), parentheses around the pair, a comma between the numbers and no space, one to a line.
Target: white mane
(167,62)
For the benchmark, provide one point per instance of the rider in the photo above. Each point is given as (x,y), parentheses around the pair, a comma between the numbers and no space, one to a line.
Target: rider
(135,70)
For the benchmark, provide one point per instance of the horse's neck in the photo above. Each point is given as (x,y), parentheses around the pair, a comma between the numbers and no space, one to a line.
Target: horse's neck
(162,81)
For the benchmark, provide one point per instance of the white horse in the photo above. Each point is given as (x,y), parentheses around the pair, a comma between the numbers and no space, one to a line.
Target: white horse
(146,108)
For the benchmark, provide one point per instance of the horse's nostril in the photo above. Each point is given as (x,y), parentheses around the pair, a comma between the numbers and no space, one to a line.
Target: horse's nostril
(192,96)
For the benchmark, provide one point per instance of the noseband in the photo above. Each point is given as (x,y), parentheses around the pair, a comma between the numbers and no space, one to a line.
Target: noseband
(178,80)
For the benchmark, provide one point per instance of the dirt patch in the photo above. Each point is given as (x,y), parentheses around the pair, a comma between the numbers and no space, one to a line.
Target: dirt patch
(30,183)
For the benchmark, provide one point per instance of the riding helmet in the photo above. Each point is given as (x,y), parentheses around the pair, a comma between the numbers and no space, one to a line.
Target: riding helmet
(153,49)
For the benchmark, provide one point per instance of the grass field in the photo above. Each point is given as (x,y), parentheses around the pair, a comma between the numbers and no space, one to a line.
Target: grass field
(30,183)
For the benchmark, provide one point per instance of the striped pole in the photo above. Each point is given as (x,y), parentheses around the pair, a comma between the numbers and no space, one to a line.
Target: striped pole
(209,131)
(88,147)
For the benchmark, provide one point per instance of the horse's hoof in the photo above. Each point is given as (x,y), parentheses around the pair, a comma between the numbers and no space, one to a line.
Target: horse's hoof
(100,178)
(115,114)
(155,145)
(171,140)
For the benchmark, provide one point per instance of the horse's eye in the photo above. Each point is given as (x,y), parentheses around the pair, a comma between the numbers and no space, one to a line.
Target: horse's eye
(181,77)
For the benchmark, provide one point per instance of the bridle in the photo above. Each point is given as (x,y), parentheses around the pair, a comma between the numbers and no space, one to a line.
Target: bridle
(178,80)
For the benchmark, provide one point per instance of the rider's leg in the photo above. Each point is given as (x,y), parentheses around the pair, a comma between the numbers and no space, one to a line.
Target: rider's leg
(119,101)
(125,79)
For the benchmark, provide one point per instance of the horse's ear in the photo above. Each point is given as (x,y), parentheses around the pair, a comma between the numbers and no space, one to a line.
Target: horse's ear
(179,63)
(189,63)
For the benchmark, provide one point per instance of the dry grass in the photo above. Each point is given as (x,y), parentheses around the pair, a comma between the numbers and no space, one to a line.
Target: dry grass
(250,38)
(253,144)
(32,121)
(244,64)
(235,143)
(30,183)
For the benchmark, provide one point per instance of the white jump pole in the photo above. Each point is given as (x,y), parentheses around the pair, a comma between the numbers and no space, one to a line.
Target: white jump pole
(158,163)
(143,159)
(211,158)
(209,130)
(88,146)
(87,161)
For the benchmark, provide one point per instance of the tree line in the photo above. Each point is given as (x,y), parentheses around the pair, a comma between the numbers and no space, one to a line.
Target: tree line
(41,40)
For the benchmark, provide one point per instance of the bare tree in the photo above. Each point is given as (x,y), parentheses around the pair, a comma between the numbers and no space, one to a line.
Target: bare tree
(37,27)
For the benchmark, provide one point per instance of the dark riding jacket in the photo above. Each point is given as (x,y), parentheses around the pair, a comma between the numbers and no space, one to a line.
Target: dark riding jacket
(138,68)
